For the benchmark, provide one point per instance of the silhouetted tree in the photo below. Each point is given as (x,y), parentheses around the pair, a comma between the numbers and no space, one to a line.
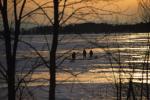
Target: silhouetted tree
(11,39)
(144,6)
(11,44)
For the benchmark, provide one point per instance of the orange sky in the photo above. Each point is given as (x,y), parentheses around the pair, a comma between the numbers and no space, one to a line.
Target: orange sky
(127,8)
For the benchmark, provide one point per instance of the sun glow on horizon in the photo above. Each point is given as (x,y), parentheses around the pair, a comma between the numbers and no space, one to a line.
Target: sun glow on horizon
(103,11)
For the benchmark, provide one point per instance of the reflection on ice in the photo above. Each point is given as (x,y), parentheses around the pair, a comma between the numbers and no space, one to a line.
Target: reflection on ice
(131,47)
(137,75)
(137,61)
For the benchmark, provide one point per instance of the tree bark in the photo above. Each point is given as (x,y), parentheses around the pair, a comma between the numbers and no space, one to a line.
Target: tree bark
(53,52)
(8,51)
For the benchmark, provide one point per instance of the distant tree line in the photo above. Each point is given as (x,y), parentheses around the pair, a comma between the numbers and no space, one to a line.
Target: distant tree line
(91,28)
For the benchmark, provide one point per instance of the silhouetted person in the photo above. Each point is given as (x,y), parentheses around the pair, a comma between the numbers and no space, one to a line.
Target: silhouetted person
(91,53)
(84,54)
(73,56)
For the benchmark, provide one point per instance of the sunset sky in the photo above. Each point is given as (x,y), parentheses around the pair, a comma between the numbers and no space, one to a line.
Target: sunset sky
(103,11)
(109,11)
(128,11)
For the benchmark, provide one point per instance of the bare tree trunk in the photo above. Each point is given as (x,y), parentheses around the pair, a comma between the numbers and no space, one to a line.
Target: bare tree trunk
(53,52)
(130,90)
(11,44)
(8,48)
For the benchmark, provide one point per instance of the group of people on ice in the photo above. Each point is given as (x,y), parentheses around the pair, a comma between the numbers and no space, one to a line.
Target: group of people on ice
(84,53)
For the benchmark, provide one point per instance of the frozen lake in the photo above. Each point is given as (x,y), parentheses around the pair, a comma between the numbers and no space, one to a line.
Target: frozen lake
(116,57)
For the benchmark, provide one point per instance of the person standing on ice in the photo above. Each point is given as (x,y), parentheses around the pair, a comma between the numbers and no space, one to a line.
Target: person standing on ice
(73,56)
(91,53)
(84,54)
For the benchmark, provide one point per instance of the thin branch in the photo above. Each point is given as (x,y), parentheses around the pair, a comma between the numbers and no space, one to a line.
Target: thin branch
(22,9)
(50,20)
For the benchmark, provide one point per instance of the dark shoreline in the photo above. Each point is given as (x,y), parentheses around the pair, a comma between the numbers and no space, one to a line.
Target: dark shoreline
(91,28)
